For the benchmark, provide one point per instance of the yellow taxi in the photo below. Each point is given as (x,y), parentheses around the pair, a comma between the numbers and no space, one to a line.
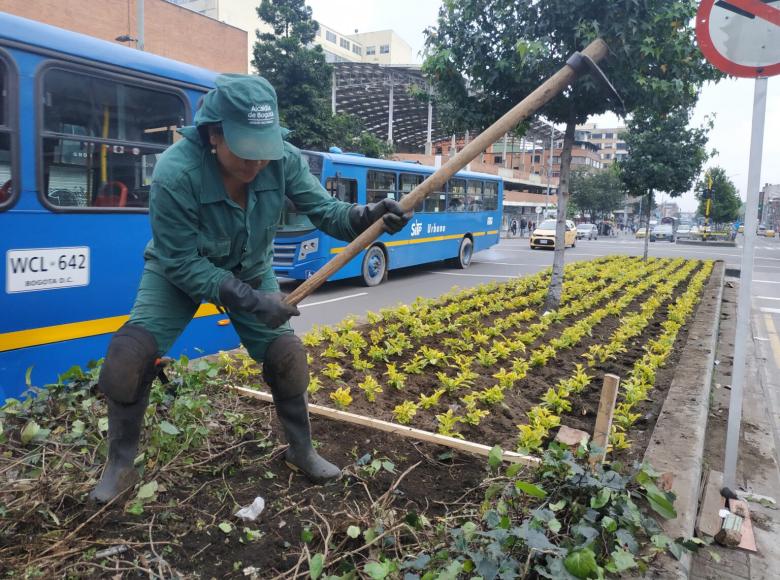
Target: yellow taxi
(741,229)
(641,233)
(544,235)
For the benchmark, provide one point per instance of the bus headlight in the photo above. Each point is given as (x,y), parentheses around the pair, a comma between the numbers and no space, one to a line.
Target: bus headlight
(308,247)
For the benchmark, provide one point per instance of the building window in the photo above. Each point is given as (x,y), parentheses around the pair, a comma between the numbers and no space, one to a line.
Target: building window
(537,158)
(596,136)
(497,159)
(621,145)
(384,49)
(102,139)
(609,135)
(344,43)
(330,36)
(556,160)
(370,50)
(357,49)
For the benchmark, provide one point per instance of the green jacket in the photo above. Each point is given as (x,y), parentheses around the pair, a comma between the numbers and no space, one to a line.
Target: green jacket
(200,236)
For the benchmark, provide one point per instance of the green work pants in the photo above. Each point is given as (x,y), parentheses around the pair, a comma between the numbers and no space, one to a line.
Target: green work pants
(164,310)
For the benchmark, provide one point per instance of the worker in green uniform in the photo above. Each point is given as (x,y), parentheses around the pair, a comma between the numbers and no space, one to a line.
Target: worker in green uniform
(216,199)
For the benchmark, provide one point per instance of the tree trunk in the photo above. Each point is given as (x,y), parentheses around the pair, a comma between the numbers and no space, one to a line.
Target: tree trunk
(555,290)
(647,223)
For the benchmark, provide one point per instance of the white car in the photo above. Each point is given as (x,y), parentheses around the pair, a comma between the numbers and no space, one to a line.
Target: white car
(589,231)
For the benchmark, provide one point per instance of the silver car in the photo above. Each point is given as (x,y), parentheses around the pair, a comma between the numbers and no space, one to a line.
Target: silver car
(589,231)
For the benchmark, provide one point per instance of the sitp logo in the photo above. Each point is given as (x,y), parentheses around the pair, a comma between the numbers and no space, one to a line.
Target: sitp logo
(261,115)
(416,228)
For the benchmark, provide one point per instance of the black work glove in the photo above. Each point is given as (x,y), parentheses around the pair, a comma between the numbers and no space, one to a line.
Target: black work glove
(269,307)
(362,216)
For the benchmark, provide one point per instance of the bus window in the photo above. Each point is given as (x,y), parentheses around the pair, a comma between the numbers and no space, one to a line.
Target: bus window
(6,178)
(490,196)
(474,195)
(101,139)
(457,195)
(435,202)
(342,189)
(407,182)
(380,185)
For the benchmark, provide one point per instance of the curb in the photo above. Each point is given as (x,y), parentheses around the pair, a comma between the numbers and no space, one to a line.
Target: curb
(722,244)
(677,443)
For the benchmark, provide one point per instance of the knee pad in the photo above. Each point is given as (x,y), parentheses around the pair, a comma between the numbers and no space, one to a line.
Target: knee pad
(129,368)
(285,368)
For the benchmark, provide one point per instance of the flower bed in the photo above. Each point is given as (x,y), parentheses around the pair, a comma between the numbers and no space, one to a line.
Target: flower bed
(487,364)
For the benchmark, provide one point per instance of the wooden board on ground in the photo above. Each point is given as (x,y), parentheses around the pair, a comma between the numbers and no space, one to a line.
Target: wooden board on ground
(709,520)
(420,435)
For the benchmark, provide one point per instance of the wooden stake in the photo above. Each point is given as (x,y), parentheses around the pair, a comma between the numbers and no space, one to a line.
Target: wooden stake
(596,50)
(409,432)
(604,418)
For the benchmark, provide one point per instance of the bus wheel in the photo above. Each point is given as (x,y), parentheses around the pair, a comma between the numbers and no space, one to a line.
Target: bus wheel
(465,253)
(374,268)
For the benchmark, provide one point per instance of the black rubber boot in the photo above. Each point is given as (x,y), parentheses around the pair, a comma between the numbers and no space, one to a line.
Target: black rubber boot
(294,415)
(124,431)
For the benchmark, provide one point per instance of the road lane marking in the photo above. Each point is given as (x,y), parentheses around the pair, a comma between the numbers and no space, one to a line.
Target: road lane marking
(332,300)
(767,298)
(774,339)
(768,281)
(770,310)
(474,275)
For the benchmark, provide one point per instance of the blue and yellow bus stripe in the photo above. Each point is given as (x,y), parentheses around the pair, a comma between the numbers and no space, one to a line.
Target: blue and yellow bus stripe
(75,330)
(395,243)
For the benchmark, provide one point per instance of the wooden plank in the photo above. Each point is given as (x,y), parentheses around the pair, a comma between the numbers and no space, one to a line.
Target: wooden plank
(748,536)
(402,430)
(709,521)
(609,391)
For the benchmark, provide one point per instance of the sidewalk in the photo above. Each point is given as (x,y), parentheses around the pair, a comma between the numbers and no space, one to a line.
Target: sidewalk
(757,469)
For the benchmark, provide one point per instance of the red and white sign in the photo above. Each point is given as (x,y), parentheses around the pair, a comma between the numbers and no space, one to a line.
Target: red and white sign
(740,37)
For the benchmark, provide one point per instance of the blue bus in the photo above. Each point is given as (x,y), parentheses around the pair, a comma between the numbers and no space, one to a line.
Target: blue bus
(82,122)
(449,225)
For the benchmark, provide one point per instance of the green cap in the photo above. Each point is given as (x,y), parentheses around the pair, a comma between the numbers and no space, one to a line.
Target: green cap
(246,107)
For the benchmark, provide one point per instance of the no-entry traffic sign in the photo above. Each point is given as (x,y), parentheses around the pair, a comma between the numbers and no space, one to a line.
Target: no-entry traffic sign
(740,37)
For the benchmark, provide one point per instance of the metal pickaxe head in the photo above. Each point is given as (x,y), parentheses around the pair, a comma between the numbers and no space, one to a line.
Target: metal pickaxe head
(583,64)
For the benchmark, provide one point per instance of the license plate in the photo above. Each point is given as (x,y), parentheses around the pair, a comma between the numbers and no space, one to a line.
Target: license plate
(544,241)
(46,269)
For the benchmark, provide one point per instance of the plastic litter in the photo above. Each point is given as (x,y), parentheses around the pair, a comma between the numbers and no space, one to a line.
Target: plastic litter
(251,512)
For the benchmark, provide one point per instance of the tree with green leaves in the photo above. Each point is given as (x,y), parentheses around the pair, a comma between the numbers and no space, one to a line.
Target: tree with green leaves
(302,79)
(726,202)
(299,73)
(486,55)
(596,193)
(664,154)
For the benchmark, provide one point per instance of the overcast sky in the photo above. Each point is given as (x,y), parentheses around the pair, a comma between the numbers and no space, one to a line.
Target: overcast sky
(731,101)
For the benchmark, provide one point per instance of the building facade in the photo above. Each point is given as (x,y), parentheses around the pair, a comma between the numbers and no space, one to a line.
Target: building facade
(170,30)
(769,206)
(611,145)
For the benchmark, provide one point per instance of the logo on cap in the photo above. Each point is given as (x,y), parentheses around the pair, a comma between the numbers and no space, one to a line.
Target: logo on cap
(261,115)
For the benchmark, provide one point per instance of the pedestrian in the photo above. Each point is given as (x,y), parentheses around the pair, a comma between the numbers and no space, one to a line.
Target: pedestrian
(523,225)
(216,197)
(513,227)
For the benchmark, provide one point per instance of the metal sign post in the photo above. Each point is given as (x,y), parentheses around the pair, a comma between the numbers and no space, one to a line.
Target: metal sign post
(742,38)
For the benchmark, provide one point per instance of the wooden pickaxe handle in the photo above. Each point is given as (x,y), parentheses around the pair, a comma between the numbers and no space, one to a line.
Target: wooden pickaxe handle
(596,50)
